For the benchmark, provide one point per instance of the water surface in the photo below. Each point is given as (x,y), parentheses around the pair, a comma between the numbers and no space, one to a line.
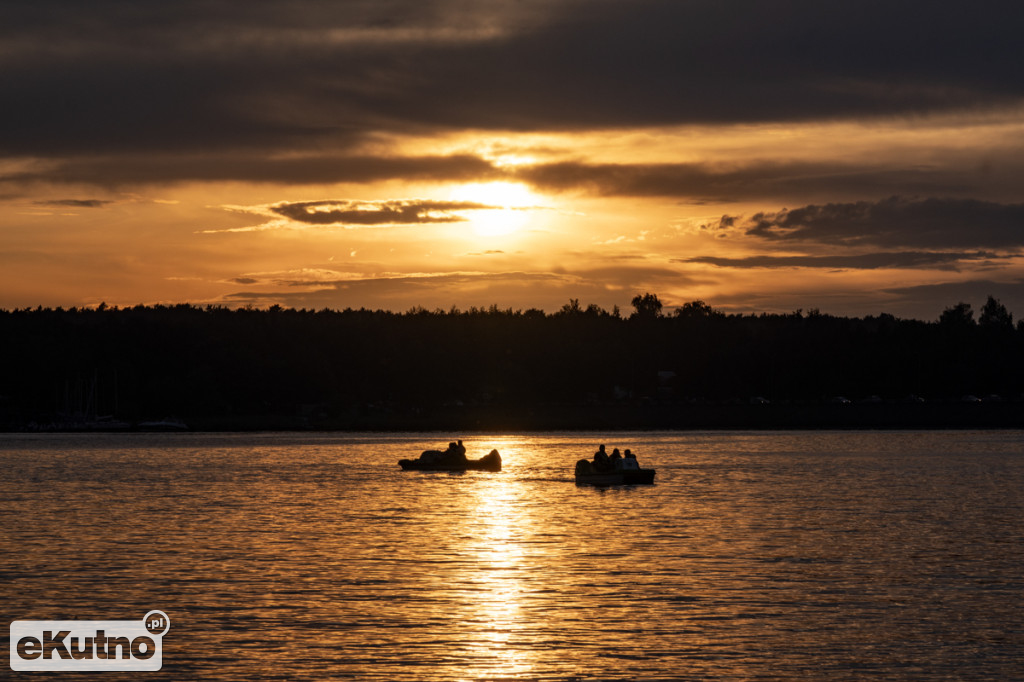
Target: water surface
(814,555)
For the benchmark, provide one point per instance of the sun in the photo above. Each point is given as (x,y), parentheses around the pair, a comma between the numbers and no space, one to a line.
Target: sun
(507,203)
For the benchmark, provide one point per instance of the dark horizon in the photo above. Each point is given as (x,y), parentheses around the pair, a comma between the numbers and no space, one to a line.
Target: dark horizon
(583,366)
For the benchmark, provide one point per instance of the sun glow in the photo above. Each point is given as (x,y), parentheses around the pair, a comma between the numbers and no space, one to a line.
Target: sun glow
(507,203)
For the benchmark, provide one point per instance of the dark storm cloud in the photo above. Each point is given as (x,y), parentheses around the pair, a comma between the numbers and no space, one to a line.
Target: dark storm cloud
(113,76)
(364,213)
(945,260)
(897,222)
(613,63)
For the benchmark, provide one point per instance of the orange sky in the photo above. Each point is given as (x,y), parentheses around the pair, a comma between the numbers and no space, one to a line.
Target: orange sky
(521,155)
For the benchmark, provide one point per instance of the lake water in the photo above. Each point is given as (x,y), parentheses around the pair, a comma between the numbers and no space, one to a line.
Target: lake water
(811,555)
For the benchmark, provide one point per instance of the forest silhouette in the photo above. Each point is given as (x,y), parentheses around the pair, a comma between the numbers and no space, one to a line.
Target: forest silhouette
(579,367)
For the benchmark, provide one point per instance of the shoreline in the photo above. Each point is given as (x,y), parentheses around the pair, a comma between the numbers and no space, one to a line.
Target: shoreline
(615,417)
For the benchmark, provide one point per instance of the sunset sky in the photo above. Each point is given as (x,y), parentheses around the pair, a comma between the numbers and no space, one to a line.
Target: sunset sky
(856,157)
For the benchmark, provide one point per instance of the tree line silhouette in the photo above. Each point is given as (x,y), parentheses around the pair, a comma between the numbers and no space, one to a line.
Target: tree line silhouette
(577,367)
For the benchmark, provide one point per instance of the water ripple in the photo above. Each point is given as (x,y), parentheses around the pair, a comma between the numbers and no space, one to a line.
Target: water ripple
(312,556)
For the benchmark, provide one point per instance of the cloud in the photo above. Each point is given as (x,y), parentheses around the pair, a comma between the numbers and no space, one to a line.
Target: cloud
(131,169)
(548,290)
(75,203)
(639,277)
(699,183)
(313,276)
(945,260)
(354,213)
(385,290)
(938,297)
(924,302)
(896,222)
(752,179)
(366,213)
(199,76)
(299,277)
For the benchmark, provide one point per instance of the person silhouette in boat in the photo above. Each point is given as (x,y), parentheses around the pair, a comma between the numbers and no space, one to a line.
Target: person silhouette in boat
(615,459)
(629,461)
(456,453)
(601,460)
(449,453)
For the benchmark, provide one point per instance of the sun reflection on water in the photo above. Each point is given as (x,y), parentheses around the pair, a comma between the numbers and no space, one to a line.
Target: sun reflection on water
(498,571)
